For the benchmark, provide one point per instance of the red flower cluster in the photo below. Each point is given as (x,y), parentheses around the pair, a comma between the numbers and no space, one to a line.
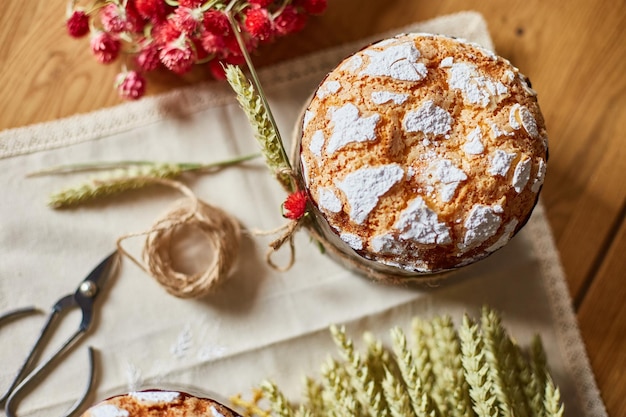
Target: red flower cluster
(177,35)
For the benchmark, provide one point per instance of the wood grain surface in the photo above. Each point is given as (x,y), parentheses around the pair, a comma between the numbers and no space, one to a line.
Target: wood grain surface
(574,52)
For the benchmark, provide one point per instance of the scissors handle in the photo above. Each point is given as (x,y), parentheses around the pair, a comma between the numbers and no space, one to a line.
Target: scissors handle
(34,353)
(12,400)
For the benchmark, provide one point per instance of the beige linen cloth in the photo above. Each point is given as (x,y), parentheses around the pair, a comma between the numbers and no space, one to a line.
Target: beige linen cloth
(260,323)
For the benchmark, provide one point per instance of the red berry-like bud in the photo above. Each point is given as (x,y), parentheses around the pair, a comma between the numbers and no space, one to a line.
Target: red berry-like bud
(148,58)
(154,10)
(294,206)
(216,22)
(289,21)
(130,85)
(177,56)
(260,3)
(78,24)
(105,47)
(258,24)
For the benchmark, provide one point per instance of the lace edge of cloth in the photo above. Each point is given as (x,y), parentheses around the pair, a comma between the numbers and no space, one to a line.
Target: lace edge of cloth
(109,121)
(569,339)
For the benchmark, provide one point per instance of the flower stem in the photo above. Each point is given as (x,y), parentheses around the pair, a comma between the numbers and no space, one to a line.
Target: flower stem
(257,82)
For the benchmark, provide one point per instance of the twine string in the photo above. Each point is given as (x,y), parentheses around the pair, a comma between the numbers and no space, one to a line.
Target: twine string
(222,231)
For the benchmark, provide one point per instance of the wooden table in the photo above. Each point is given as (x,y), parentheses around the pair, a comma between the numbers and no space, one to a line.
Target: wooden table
(574,52)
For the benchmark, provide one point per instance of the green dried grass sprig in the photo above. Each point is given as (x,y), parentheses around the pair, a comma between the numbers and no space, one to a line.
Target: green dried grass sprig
(462,366)
(118,177)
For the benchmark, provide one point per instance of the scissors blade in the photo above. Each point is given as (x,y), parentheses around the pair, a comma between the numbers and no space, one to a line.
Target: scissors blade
(91,286)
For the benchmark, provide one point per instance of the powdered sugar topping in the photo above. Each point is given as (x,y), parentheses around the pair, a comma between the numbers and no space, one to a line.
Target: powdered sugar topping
(354,241)
(506,236)
(446,176)
(349,127)
(520,116)
(541,173)
(107,410)
(317,143)
(428,118)
(501,163)
(364,187)
(155,397)
(382,97)
(396,61)
(387,243)
(481,224)
(353,63)
(216,413)
(521,175)
(496,132)
(328,88)
(476,87)
(473,145)
(308,116)
(421,224)
(328,200)
(446,62)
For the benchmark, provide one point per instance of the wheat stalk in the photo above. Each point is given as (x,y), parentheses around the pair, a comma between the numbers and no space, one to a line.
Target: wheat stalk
(476,372)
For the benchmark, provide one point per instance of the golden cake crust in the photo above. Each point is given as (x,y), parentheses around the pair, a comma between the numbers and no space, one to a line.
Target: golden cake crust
(159,403)
(424,152)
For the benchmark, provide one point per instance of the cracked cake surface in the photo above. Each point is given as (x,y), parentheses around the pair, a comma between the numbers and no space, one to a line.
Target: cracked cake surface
(424,152)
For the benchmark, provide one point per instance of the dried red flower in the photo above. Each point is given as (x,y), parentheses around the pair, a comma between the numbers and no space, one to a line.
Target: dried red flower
(212,43)
(260,3)
(216,22)
(78,24)
(116,19)
(148,58)
(192,4)
(181,33)
(130,85)
(105,47)
(258,23)
(187,20)
(153,10)
(166,32)
(177,56)
(289,21)
(294,206)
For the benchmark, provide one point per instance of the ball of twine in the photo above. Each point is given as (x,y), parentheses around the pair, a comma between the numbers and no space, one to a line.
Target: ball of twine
(222,231)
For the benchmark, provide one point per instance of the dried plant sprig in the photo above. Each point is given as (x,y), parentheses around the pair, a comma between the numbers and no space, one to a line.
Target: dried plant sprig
(451,391)
(112,183)
(361,379)
(265,130)
(462,372)
(313,394)
(251,407)
(477,369)
(421,401)
(122,176)
(339,400)
(553,407)
(280,405)
(496,354)
(422,332)
(397,396)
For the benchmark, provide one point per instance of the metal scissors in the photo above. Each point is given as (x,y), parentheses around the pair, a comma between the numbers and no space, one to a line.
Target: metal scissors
(83,298)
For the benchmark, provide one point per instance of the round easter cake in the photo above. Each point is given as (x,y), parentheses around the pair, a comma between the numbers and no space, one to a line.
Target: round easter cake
(422,153)
(153,403)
